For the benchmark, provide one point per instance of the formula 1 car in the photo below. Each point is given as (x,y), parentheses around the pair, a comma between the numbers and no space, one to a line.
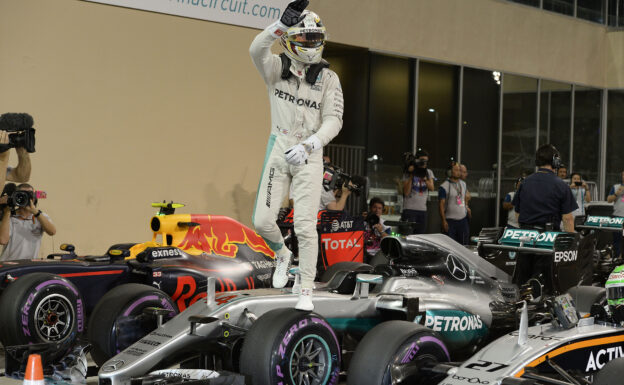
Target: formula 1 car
(569,350)
(49,301)
(461,300)
(605,259)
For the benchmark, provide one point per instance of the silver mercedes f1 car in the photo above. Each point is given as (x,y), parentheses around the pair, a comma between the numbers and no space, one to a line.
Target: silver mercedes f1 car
(461,300)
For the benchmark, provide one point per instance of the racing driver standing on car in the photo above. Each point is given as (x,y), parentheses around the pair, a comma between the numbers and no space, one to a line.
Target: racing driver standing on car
(306,114)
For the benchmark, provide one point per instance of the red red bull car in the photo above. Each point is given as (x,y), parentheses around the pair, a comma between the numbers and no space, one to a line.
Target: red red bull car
(49,301)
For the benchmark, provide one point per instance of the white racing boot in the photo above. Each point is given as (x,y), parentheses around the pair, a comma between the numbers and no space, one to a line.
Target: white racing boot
(282,261)
(305,300)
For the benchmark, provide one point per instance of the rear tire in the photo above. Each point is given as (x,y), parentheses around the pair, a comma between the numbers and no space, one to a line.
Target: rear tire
(117,320)
(54,308)
(288,346)
(395,342)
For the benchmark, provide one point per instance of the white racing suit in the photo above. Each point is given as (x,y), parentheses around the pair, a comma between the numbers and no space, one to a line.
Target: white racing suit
(298,110)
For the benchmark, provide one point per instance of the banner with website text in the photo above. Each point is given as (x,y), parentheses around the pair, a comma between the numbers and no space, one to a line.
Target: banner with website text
(246,13)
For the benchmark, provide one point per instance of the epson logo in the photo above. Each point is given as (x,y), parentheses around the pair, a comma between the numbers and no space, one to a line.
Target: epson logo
(566,256)
(531,234)
(163,253)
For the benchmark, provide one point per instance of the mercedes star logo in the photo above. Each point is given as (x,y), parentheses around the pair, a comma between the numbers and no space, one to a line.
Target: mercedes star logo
(456,268)
(112,366)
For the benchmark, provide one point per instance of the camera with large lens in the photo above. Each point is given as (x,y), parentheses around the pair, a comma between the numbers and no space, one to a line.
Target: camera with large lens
(21,131)
(334,179)
(413,160)
(20,198)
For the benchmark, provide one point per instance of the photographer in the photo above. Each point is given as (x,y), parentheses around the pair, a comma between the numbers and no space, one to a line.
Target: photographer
(616,196)
(581,193)
(376,230)
(22,231)
(417,182)
(336,199)
(21,173)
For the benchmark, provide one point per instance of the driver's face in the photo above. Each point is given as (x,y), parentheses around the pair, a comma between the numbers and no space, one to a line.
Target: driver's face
(377,209)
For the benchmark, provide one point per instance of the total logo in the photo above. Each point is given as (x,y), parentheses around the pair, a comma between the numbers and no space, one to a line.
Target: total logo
(335,226)
(454,323)
(598,360)
(531,234)
(566,256)
(338,244)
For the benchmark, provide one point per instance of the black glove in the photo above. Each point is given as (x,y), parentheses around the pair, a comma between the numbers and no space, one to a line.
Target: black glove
(292,13)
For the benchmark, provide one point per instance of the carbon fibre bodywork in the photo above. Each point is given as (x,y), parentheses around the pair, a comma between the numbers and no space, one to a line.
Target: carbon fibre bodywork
(430,279)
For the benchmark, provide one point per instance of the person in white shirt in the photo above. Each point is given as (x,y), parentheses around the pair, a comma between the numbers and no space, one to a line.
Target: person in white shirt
(581,193)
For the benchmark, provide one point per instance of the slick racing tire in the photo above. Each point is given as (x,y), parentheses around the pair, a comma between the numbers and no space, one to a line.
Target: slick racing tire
(41,308)
(289,346)
(395,343)
(344,266)
(118,320)
(585,296)
(611,373)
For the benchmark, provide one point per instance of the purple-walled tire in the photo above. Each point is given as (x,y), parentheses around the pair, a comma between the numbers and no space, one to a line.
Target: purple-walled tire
(41,308)
(287,346)
(117,321)
(395,343)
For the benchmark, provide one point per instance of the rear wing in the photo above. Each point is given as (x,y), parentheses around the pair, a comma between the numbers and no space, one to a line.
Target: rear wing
(526,241)
(602,223)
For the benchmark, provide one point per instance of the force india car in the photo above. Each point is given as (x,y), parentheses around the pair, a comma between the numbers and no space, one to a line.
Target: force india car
(461,300)
(569,350)
(48,301)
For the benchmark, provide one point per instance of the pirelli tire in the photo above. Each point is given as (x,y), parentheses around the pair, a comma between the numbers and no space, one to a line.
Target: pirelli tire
(611,373)
(395,343)
(41,308)
(345,266)
(288,346)
(117,321)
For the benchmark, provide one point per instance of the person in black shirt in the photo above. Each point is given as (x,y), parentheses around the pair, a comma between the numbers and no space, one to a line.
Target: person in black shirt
(543,200)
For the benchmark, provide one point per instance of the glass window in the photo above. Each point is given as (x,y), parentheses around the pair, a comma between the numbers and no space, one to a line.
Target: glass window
(354,82)
(437,114)
(479,147)
(555,117)
(519,131)
(616,13)
(565,7)
(615,138)
(390,117)
(586,140)
(593,10)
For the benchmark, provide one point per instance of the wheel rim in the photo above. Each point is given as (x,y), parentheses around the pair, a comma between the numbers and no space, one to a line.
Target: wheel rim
(54,317)
(310,361)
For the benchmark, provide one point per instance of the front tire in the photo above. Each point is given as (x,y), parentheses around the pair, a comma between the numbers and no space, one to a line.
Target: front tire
(41,308)
(395,343)
(118,321)
(288,346)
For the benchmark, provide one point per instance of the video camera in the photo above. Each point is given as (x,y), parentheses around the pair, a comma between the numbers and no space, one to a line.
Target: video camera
(410,159)
(20,127)
(334,179)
